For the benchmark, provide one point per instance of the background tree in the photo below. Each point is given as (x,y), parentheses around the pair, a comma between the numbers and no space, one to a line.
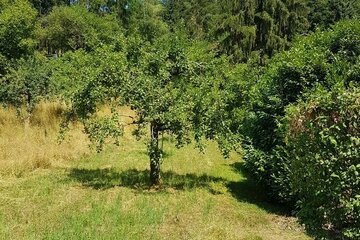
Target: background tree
(68,28)
(45,6)
(142,18)
(26,84)
(17,22)
(327,12)
(241,27)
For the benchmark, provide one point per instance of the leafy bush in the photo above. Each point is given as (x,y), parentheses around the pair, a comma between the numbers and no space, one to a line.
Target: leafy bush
(257,162)
(273,170)
(322,58)
(324,135)
(280,161)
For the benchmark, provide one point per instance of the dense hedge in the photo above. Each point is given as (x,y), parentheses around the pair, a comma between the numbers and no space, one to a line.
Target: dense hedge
(324,139)
(302,128)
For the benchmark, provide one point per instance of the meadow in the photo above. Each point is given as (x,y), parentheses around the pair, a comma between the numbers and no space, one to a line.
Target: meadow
(68,191)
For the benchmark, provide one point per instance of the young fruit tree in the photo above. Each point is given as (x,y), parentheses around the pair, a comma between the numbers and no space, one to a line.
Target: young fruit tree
(175,87)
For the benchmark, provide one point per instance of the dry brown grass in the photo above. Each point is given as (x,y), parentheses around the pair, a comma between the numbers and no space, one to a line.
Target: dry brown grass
(23,150)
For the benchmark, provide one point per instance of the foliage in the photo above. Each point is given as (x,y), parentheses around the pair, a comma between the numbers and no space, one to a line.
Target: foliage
(76,69)
(17,22)
(145,19)
(327,59)
(181,87)
(327,12)
(241,27)
(323,58)
(103,128)
(324,135)
(272,169)
(27,83)
(45,6)
(74,27)
(256,162)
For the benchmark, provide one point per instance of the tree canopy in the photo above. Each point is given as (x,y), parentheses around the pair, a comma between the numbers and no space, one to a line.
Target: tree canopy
(173,85)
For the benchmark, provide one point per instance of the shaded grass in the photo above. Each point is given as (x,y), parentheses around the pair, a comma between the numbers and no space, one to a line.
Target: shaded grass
(246,191)
(251,191)
(135,179)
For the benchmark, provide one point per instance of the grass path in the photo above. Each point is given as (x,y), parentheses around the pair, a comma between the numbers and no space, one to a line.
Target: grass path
(105,196)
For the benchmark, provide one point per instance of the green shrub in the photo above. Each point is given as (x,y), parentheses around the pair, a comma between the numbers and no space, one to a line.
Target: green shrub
(272,170)
(324,135)
(256,162)
(324,59)
(280,176)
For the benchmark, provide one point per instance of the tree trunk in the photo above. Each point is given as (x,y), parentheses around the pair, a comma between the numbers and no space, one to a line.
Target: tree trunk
(155,155)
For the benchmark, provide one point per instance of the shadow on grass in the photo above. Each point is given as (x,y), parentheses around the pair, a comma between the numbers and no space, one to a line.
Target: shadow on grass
(249,190)
(245,190)
(107,178)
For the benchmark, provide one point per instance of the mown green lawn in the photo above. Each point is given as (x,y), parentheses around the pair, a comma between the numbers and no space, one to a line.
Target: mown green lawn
(105,196)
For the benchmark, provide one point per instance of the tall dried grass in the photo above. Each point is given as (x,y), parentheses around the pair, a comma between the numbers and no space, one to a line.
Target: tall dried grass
(24,149)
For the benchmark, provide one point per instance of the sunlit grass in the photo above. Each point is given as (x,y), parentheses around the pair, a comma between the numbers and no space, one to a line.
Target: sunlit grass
(106,196)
